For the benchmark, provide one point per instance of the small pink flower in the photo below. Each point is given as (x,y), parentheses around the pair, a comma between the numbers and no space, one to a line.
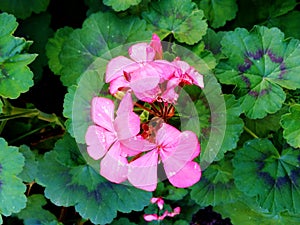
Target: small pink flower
(142,73)
(105,138)
(159,201)
(176,151)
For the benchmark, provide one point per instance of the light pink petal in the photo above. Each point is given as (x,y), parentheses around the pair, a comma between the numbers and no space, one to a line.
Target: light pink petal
(156,45)
(144,79)
(126,104)
(98,140)
(102,111)
(142,172)
(149,95)
(116,66)
(141,52)
(118,83)
(160,203)
(175,212)
(163,216)
(113,166)
(135,145)
(150,217)
(196,77)
(168,137)
(164,68)
(127,125)
(170,95)
(186,177)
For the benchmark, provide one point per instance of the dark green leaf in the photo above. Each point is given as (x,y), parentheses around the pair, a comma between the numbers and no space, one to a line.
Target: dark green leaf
(291,125)
(101,33)
(23,9)
(35,212)
(121,5)
(15,76)
(180,18)
(260,64)
(272,177)
(219,11)
(12,198)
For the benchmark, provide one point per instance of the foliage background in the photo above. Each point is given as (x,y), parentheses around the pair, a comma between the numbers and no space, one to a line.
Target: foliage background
(251,47)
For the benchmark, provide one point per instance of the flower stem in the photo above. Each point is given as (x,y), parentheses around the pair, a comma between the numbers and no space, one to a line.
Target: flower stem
(250,132)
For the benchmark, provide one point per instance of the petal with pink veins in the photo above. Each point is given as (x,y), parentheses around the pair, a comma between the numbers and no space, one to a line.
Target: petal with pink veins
(141,52)
(127,125)
(167,137)
(113,166)
(142,172)
(156,45)
(102,112)
(116,66)
(98,141)
(117,84)
(126,104)
(186,177)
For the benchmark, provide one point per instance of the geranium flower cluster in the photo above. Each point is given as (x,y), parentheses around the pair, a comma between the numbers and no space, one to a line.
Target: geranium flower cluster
(133,150)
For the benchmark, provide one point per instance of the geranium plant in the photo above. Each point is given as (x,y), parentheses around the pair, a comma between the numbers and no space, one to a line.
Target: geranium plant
(149,112)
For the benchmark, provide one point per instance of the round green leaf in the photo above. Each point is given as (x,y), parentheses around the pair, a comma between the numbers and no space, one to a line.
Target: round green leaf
(121,5)
(54,46)
(29,171)
(240,213)
(180,18)
(219,11)
(260,64)
(23,9)
(272,177)
(291,125)
(12,198)
(216,185)
(101,32)
(34,211)
(15,76)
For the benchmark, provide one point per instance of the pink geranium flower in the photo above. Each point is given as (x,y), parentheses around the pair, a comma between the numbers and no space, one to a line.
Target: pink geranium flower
(108,137)
(175,150)
(142,72)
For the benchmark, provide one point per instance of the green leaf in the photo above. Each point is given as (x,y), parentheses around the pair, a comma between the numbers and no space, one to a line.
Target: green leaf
(54,46)
(181,18)
(260,64)
(94,197)
(273,178)
(234,125)
(12,198)
(89,86)
(219,11)
(212,41)
(1,106)
(240,213)
(122,221)
(30,169)
(37,28)
(216,185)
(121,5)
(15,76)
(34,211)
(287,23)
(23,9)
(269,124)
(291,125)
(101,33)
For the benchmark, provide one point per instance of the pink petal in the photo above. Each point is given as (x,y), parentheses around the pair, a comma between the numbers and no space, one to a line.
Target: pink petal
(144,79)
(126,104)
(175,212)
(186,177)
(168,137)
(113,166)
(156,45)
(150,217)
(102,111)
(98,140)
(142,172)
(141,52)
(127,125)
(117,84)
(135,145)
(116,66)
(160,203)
(149,95)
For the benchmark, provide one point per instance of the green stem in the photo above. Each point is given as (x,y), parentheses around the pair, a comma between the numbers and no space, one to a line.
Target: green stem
(250,132)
